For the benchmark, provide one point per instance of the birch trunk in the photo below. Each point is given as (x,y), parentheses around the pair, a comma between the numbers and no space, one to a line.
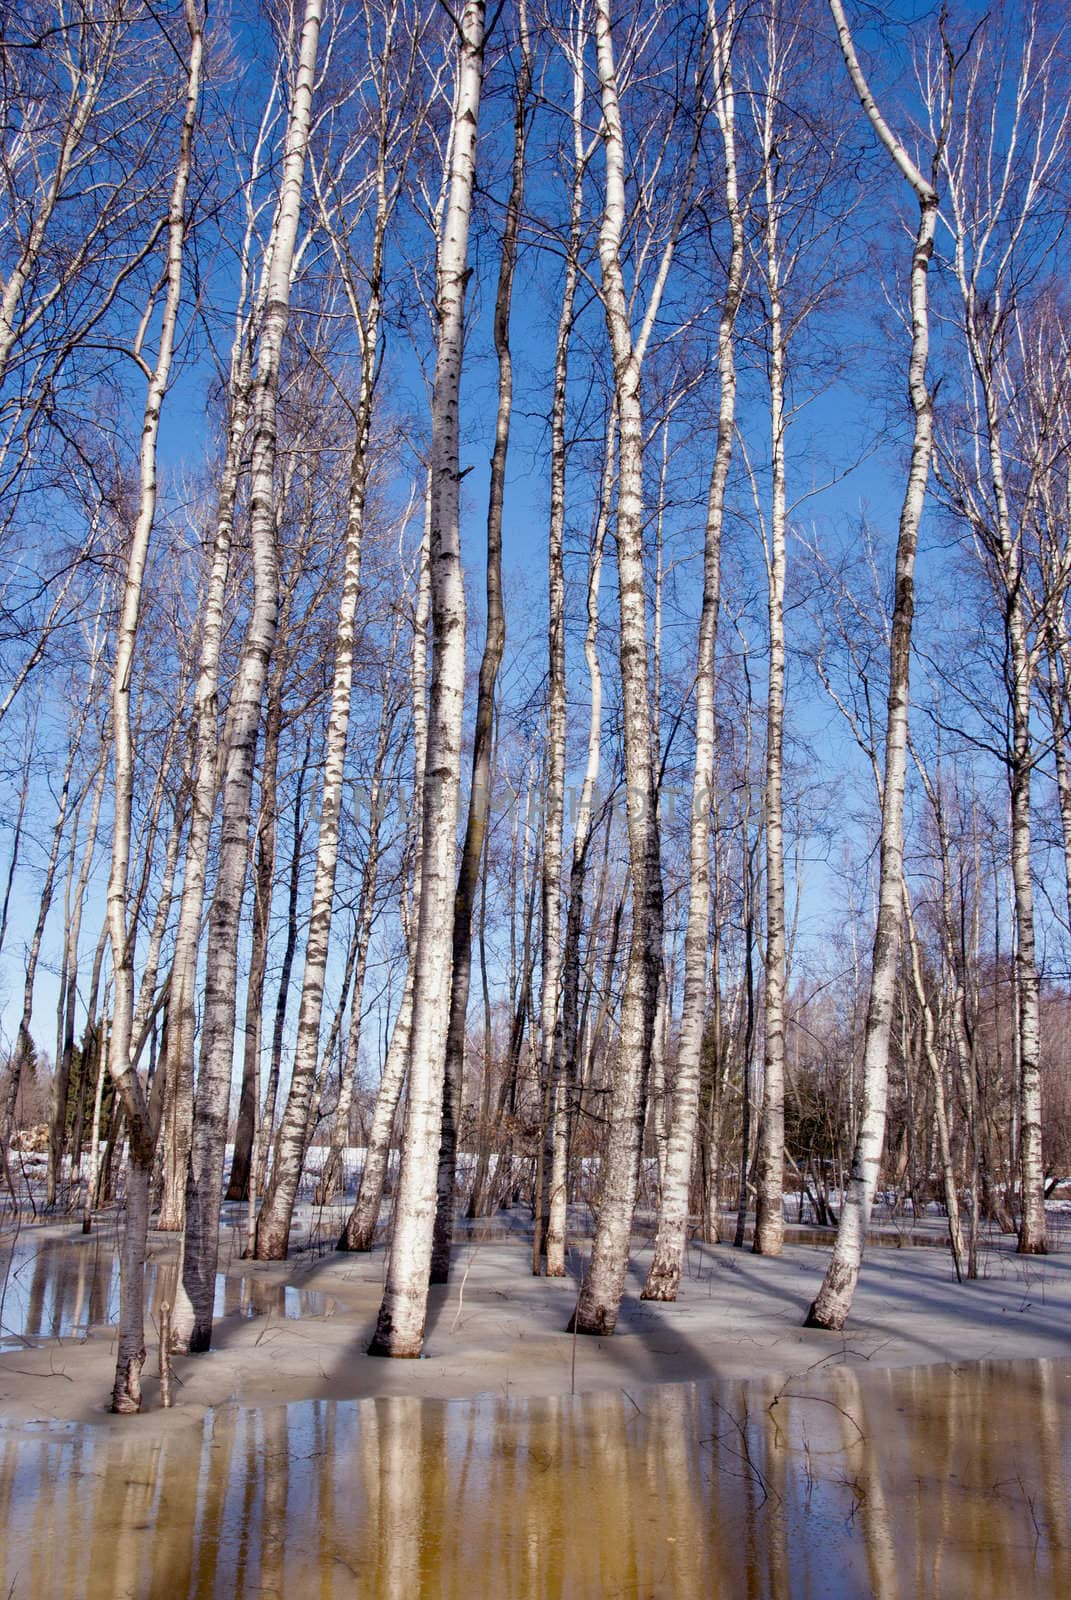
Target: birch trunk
(151,994)
(940,1099)
(331,1173)
(400,1326)
(1056,699)
(582,838)
(991,204)
(273,1223)
(182,1011)
(359,1232)
(770,1150)
(749,914)
(122,930)
(833,1302)
(663,1277)
(17,828)
(245,1133)
(1032,1234)
(192,1323)
(600,1297)
(551,1227)
(494,645)
(956,1004)
(1006,547)
(69,996)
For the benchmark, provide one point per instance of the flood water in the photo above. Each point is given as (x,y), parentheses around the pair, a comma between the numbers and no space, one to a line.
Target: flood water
(59,1289)
(931,1481)
(936,1481)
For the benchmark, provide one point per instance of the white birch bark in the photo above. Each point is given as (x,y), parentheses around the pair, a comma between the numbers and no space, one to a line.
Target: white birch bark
(182,1011)
(955,1002)
(663,1277)
(331,1172)
(359,1232)
(1055,696)
(73,909)
(126,1393)
(770,1149)
(494,645)
(273,1223)
(192,1321)
(400,1325)
(987,198)
(582,838)
(600,1296)
(940,1099)
(833,1302)
(239,1186)
(552,1011)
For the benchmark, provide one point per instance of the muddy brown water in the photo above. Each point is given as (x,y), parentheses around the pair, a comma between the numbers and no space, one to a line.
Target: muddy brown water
(931,1481)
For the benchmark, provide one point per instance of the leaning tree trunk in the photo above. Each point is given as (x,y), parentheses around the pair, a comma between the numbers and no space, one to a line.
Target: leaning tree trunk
(833,1302)
(182,1005)
(400,1325)
(273,1223)
(663,1277)
(360,1230)
(130,1355)
(192,1324)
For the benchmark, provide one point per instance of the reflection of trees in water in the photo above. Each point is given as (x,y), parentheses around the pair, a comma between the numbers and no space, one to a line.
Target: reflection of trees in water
(936,1481)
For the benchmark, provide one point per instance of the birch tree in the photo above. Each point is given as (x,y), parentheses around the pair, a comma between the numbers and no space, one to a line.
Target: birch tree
(833,1302)
(494,645)
(552,1198)
(600,1296)
(181,1043)
(400,1324)
(126,1394)
(391,145)
(192,1324)
(663,1276)
(359,1231)
(998,173)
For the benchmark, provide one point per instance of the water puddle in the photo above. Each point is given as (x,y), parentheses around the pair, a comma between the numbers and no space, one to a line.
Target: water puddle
(887,1237)
(937,1481)
(60,1289)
